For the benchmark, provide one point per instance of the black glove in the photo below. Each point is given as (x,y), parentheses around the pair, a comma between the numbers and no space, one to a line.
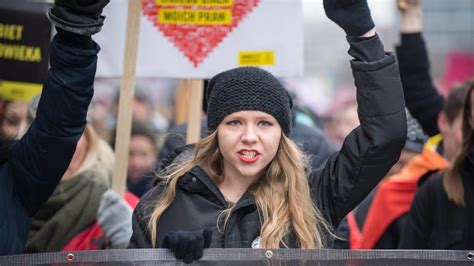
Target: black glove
(81,17)
(187,246)
(353,16)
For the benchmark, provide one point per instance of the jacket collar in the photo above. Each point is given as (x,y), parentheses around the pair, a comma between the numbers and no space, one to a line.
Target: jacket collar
(198,181)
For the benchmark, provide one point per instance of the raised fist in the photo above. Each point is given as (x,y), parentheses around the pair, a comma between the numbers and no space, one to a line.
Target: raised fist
(353,16)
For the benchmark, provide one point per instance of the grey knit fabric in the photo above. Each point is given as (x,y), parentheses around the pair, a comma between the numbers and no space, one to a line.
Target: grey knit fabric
(247,89)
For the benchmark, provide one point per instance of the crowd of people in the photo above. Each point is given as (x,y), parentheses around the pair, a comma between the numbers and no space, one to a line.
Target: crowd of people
(390,170)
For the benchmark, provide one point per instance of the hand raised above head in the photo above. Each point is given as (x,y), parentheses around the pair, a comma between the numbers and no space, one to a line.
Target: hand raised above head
(353,16)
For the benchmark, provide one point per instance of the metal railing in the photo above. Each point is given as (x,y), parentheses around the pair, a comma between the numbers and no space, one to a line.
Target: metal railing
(248,257)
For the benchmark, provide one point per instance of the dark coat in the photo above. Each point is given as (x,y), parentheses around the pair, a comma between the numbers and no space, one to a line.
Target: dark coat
(43,154)
(348,176)
(434,222)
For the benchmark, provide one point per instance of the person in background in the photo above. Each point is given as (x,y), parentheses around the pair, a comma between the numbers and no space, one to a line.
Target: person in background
(142,110)
(142,155)
(71,219)
(442,213)
(439,119)
(31,168)
(342,119)
(248,185)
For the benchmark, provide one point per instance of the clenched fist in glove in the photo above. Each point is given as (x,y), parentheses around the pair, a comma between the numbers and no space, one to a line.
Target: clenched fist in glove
(81,17)
(353,16)
(188,246)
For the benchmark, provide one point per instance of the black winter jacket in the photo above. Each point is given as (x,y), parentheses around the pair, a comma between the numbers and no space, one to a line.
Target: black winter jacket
(367,154)
(40,158)
(434,222)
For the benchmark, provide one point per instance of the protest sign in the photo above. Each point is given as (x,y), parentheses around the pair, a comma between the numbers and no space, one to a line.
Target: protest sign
(199,38)
(25,34)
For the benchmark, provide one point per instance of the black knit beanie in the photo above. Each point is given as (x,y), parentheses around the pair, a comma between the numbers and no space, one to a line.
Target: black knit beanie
(247,88)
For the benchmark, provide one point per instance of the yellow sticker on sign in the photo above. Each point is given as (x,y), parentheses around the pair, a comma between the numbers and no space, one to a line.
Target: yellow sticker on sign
(207,3)
(12,90)
(195,17)
(256,58)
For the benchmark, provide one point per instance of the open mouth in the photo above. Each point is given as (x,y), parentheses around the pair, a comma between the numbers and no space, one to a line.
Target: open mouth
(249,156)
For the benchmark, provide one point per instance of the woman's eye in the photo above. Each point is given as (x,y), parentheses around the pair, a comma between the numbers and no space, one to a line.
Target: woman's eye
(233,123)
(265,123)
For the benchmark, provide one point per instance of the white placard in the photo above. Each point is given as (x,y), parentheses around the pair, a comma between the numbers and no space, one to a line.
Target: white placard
(269,34)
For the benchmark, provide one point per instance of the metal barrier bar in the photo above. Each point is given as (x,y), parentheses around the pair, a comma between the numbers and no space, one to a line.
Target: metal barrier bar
(248,257)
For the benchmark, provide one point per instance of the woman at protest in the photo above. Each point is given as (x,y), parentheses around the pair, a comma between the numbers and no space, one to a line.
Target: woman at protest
(442,213)
(31,168)
(248,185)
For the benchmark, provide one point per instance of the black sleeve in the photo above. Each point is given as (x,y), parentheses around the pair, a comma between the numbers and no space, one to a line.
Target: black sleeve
(421,96)
(371,149)
(43,154)
(71,39)
(366,49)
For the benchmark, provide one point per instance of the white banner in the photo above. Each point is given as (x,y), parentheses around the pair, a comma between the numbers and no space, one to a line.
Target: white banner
(199,38)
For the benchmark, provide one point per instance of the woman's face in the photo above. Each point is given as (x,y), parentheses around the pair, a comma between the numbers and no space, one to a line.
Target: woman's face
(141,156)
(248,141)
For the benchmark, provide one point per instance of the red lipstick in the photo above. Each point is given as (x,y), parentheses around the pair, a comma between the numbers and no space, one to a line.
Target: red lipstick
(248,156)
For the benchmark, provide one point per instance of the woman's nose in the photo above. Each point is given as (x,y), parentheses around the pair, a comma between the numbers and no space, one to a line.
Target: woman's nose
(249,135)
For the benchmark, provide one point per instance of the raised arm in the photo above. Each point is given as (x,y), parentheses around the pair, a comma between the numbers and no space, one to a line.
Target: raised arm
(371,149)
(43,154)
(422,98)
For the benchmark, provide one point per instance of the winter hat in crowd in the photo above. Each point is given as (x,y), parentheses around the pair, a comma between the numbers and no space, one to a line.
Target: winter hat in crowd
(416,138)
(247,89)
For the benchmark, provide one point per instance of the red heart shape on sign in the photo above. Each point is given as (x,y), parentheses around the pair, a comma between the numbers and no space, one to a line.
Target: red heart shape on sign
(196,30)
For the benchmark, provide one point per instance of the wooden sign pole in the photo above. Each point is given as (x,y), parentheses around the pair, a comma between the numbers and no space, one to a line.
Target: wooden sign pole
(127,90)
(181,103)
(196,89)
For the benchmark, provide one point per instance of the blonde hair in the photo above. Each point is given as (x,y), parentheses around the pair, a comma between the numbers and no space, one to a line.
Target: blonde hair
(452,181)
(282,194)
